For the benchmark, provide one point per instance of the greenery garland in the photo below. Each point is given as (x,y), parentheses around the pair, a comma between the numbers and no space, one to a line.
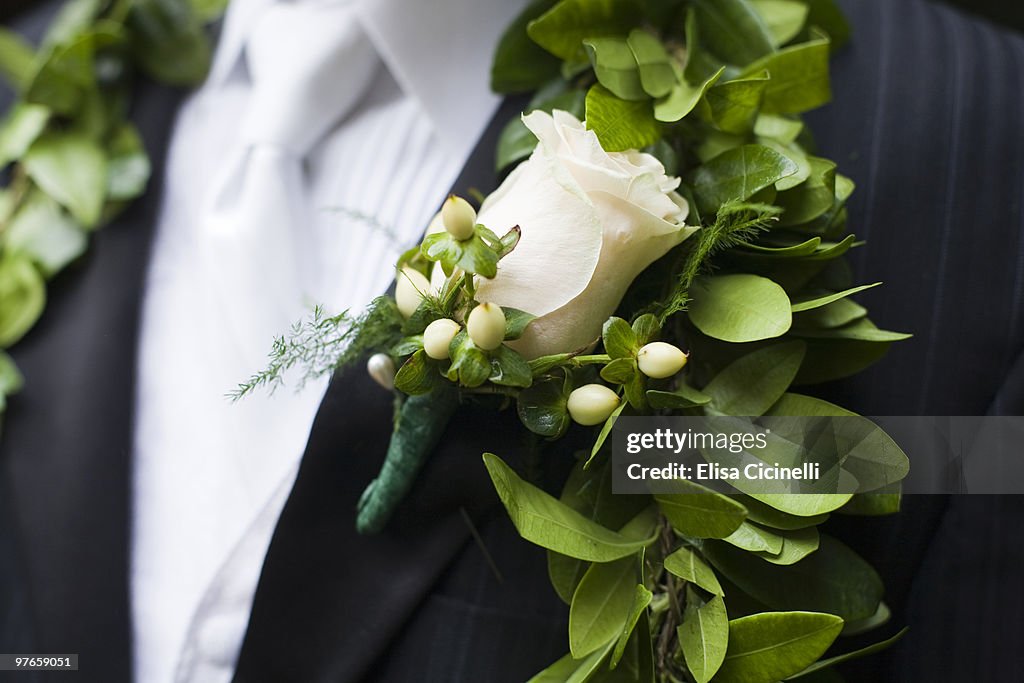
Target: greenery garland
(697,586)
(72,157)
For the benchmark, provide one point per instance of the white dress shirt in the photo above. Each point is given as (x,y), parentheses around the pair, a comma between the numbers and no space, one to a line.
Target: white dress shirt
(211,477)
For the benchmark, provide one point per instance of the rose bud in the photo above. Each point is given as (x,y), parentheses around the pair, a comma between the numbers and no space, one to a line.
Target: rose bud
(382,369)
(592,404)
(659,360)
(410,287)
(459,217)
(486,326)
(438,337)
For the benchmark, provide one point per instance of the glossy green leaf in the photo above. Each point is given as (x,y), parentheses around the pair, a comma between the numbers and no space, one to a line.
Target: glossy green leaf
(43,232)
(601,605)
(619,338)
(796,545)
(754,382)
(571,670)
(22,298)
(782,129)
(808,303)
(687,565)
(826,15)
(799,78)
(811,198)
(509,369)
(549,523)
(542,407)
(766,515)
(519,63)
(615,67)
(752,538)
(834,579)
(470,365)
(657,75)
(516,322)
(684,396)
(471,255)
(739,308)
(833,359)
(73,170)
(734,104)
(872,504)
(861,330)
(682,98)
(646,328)
(835,314)
(881,617)
(699,512)
(418,375)
(620,124)
(784,18)
(764,648)
(562,30)
(704,635)
(738,174)
(641,599)
(732,30)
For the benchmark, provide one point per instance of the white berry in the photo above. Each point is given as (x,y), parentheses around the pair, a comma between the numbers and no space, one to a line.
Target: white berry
(438,337)
(410,287)
(592,404)
(459,217)
(486,326)
(382,369)
(659,360)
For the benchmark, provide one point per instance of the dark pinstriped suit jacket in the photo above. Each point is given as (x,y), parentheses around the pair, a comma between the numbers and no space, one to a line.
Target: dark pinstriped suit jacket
(927,120)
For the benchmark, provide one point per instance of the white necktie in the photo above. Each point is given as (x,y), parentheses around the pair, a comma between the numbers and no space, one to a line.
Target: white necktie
(309,63)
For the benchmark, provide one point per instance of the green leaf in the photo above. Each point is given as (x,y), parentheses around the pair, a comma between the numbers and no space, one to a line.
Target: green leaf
(470,366)
(732,30)
(544,364)
(739,308)
(704,635)
(799,78)
(782,129)
(734,105)
(812,197)
(73,170)
(687,565)
(22,298)
(755,539)
(562,30)
(683,98)
(128,165)
(606,431)
(738,174)
(796,545)
(509,369)
(881,617)
(418,375)
(601,605)
(571,670)
(836,314)
(619,339)
(11,380)
(549,523)
(784,18)
(641,599)
(619,124)
(517,141)
(542,407)
(684,396)
(17,59)
(833,359)
(646,328)
(806,304)
(657,76)
(615,67)
(872,504)
(766,515)
(833,579)
(826,15)
(516,322)
(168,41)
(861,330)
(43,232)
(850,656)
(65,75)
(754,382)
(519,63)
(619,371)
(699,512)
(764,648)
(471,255)
(19,130)
(73,20)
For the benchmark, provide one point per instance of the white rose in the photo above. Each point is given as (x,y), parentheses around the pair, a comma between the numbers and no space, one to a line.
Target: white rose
(591,222)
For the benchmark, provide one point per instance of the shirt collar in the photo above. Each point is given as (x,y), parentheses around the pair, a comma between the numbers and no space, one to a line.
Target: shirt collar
(439,51)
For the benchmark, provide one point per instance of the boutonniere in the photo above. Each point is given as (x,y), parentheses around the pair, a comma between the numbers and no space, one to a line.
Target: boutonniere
(668,244)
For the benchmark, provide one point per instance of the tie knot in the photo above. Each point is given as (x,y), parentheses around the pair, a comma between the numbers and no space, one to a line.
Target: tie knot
(309,62)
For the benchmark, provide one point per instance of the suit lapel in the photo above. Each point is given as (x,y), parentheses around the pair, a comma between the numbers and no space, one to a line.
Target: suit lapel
(328,597)
(65,456)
